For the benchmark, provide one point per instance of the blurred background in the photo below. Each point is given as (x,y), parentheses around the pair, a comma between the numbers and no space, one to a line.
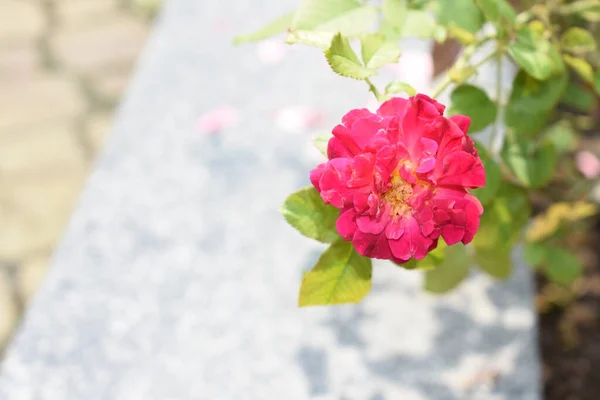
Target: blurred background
(64,65)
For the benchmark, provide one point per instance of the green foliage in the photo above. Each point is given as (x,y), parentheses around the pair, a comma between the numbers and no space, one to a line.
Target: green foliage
(500,13)
(500,227)
(310,38)
(577,41)
(533,164)
(349,17)
(579,97)
(460,14)
(321,142)
(394,12)
(376,51)
(452,270)
(559,265)
(531,102)
(473,102)
(535,54)
(306,211)
(399,86)
(343,60)
(581,67)
(493,178)
(277,26)
(562,136)
(340,276)
(419,23)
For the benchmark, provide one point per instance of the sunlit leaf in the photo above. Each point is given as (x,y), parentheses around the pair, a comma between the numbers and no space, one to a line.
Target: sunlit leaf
(535,54)
(348,17)
(321,142)
(562,266)
(340,276)
(531,102)
(419,24)
(581,67)
(473,102)
(533,164)
(546,224)
(275,27)
(453,270)
(376,51)
(577,40)
(344,61)
(462,14)
(492,177)
(498,12)
(306,211)
(563,136)
(310,38)
(399,86)
(394,12)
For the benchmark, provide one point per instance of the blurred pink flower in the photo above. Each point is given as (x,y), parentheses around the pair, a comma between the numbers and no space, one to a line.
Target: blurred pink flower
(298,118)
(414,67)
(271,51)
(218,119)
(588,164)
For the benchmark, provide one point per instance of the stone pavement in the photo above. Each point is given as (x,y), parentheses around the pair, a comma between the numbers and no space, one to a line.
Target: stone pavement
(63,67)
(178,279)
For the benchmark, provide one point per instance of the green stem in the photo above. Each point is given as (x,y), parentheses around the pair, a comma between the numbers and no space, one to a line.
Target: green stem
(374,90)
(448,80)
(499,103)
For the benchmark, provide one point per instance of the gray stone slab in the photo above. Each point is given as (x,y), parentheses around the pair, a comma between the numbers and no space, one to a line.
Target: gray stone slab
(177,278)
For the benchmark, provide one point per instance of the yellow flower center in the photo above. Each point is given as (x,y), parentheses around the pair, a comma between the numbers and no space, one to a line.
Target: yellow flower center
(398,195)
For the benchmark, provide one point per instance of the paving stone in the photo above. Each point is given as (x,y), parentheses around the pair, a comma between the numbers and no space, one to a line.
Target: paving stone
(40,147)
(97,129)
(32,272)
(8,310)
(18,62)
(19,20)
(41,98)
(34,213)
(99,48)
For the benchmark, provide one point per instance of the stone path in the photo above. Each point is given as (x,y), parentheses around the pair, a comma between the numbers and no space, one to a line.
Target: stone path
(63,67)
(177,278)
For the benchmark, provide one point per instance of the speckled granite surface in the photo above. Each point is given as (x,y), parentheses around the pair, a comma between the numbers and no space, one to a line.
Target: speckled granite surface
(177,279)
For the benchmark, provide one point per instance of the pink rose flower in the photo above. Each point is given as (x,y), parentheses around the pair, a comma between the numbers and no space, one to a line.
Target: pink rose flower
(588,164)
(400,178)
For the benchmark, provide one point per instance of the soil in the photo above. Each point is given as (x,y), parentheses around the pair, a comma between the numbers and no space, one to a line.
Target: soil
(569,331)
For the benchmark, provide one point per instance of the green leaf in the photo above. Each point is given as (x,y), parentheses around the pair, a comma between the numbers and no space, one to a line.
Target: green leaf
(310,38)
(498,12)
(581,67)
(579,97)
(535,253)
(495,262)
(306,211)
(394,12)
(472,101)
(450,272)
(419,23)
(277,26)
(531,101)
(340,276)
(399,86)
(532,164)
(597,82)
(391,32)
(586,9)
(376,51)
(577,40)
(321,142)
(343,60)
(463,14)
(348,17)
(563,136)
(535,54)
(492,177)
(503,220)
(562,266)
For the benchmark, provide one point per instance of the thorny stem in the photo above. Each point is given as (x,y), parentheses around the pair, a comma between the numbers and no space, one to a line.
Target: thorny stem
(448,80)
